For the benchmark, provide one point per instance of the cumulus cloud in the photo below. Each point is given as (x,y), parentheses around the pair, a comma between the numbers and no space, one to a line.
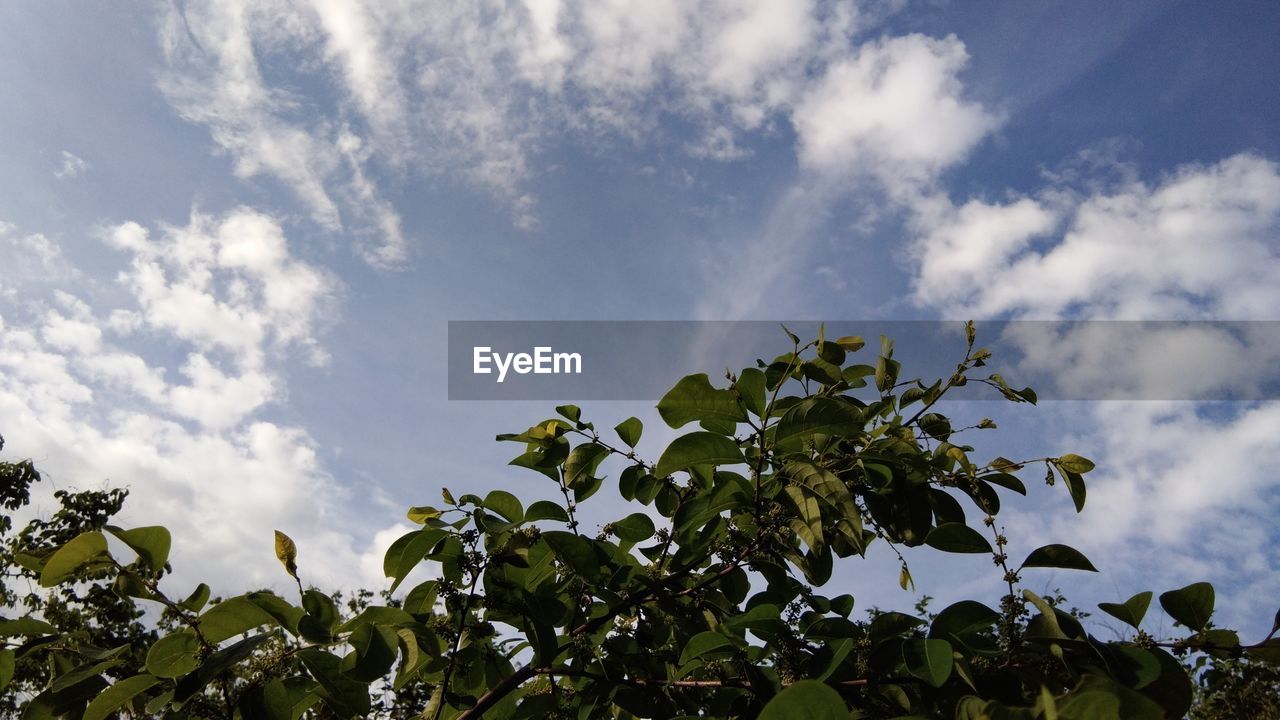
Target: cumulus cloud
(1187,482)
(894,110)
(84,389)
(1199,244)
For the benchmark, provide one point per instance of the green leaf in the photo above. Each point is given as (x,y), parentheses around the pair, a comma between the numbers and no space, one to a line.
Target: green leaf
(78,552)
(929,660)
(173,655)
(962,619)
(196,600)
(505,504)
(630,430)
(819,415)
(807,699)
(374,649)
(935,426)
(1192,605)
(1089,705)
(8,664)
(115,697)
(580,466)
(809,523)
(851,343)
(231,617)
(546,510)
(693,398)
(1006,480)
(573,412)
(1058,556)
(345,696)
(574,551)
(151,543)
(27,626)
(1131,611)
(702,644)
(697,448)
(751,388)
(407,551)
(957,538)
(1075,486)
(634,528)
(1074,463)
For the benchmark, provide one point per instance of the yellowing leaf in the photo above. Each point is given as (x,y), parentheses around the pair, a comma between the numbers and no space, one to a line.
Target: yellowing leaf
(287,554)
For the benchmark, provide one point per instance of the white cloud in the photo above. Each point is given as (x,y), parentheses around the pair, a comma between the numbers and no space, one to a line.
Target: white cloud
(1200,244)
(72,167)
(478,90)
(84,390)
(1182,490)
(226,284)
(893,110)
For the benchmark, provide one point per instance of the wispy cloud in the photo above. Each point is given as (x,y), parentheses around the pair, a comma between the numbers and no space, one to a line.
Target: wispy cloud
(72,166)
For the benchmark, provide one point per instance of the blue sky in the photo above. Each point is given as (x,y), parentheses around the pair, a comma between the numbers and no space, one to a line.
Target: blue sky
(234,232)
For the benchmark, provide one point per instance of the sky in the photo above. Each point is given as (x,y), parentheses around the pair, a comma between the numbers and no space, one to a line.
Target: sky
(232,235)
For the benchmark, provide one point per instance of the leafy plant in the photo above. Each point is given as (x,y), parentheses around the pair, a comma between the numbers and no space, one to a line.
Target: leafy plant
(704,601)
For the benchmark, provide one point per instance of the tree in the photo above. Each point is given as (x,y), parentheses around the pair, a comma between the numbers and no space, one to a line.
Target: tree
(707,600)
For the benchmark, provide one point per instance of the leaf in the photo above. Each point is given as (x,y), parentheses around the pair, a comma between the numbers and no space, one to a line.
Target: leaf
(574,551)
(505,504)
(374,649)
(546,510)
(1006,480)
(422,513)
(751,388)
(115,697)
(929,660)
(703,643)
(580,466)
(8,663)
(809,523)
(1075,486)
(957,538)
(26,626)
(79,551)
(693,398)
(1074,463)
(1131,611)
(232,617)
(818,415)
(1192,605)
(572,412)
(151,543)
(962,619)
(196,600)
(634,528)
(287,554)
(630,430)
(697,448)
(173,655)
(1058,556)
(936,426)
(808,699)
(345,696)
(407,551)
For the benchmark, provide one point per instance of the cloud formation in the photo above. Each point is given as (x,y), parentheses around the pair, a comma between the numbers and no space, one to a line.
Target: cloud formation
(1185,481)
(165,394)
(479,90)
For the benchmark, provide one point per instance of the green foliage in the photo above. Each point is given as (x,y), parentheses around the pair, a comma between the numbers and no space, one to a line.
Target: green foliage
(705,600)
